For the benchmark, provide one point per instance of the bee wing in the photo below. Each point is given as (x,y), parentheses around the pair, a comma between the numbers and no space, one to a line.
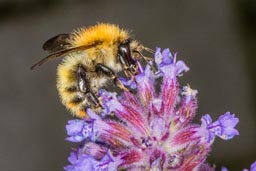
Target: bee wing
(63,53)
(57,43)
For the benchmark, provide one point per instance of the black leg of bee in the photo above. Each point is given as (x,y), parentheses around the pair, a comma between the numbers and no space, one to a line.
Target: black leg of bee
(84,86)
(123,61)
(125,65)
(108,72)
(93,99)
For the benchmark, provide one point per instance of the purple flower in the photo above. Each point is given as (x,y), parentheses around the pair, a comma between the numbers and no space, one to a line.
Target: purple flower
(226,124)
(223,127)
(83,162)
(253,167)
(78,130)
(128,83)
(224,169)
(151,129)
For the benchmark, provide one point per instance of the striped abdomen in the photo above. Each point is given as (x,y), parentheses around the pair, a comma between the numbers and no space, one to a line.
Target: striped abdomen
(67,85)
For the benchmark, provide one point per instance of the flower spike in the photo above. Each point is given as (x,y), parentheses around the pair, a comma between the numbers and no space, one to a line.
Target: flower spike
(150,129)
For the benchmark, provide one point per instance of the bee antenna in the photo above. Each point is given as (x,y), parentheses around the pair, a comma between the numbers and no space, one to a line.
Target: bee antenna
(148,50)
(149,60)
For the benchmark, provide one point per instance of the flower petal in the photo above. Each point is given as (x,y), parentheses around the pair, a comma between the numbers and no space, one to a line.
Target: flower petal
(78,130)
(146,85)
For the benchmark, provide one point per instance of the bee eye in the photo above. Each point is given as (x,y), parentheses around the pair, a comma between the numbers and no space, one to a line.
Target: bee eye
(124,47)
(126,58)
(124,51)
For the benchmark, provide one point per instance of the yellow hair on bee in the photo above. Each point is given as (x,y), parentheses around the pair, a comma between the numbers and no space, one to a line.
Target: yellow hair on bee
(103,32)
(66,80)
(78,91)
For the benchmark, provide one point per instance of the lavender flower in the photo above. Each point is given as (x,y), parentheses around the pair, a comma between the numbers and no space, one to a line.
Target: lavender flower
(224,169)
(149,130)
(253,167)
(78,130)
(83,162)
(223,127)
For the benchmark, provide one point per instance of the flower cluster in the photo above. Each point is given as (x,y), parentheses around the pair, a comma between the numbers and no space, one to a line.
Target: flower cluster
(150,129)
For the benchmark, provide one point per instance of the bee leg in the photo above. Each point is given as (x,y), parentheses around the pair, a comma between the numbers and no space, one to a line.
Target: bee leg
(108,72)
(84,86)
(90,95)
(125,65)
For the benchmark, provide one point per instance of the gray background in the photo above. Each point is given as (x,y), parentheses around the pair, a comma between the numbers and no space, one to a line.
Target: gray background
(216,39)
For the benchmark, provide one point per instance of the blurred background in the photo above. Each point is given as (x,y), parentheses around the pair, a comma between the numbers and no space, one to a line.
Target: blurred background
(216,39)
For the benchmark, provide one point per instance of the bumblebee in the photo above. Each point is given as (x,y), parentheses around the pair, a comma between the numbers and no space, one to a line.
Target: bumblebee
(92,57)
